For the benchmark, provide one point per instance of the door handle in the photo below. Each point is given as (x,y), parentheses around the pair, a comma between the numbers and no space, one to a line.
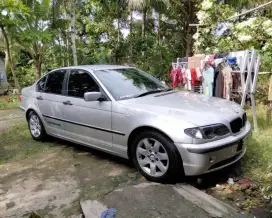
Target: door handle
(39,98)
(67,103)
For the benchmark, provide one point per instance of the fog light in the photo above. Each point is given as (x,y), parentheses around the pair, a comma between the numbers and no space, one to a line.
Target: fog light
(212,159)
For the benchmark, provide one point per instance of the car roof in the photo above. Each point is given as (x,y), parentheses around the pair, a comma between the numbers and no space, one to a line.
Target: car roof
(96,67)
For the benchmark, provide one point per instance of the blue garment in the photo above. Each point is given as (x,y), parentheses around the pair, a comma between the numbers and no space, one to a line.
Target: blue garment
(231,60)
(208,80)
(110,213)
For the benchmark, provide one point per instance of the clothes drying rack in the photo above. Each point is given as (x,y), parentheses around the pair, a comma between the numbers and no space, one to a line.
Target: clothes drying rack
(249,64)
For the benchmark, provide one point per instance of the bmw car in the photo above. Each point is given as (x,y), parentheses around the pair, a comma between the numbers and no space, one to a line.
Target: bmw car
(128,113)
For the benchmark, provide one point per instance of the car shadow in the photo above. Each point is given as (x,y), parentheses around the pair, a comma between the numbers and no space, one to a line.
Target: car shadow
(78,148)
(205,181)
(211,179)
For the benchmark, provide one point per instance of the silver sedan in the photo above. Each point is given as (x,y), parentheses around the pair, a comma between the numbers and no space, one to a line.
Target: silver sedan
(129,113)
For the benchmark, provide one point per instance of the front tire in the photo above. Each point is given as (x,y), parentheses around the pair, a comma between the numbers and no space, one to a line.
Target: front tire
(36,127)
(156,157)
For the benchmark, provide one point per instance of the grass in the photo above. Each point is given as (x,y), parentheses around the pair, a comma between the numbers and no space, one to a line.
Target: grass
(257,163)
(17,143)
(9,102)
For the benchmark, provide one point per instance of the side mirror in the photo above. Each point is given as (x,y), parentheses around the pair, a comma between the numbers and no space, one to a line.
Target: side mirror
(92,96)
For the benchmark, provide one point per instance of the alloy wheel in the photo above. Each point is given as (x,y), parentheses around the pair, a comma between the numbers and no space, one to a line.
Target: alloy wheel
(34,125)
(152,157)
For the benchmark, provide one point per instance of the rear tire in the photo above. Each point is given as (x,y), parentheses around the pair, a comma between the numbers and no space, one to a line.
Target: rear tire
(36,127)
(156,157)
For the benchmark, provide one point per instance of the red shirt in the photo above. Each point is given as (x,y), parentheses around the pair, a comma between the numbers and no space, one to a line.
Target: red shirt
(193,76)
(176,77)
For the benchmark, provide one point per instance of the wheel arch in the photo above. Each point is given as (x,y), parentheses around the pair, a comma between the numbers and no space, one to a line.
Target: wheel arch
(30,110)
(140,129)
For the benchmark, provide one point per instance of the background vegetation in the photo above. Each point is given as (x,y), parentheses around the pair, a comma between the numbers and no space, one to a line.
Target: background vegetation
(39,35)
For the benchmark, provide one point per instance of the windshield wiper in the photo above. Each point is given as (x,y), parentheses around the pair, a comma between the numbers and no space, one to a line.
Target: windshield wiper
(149,92)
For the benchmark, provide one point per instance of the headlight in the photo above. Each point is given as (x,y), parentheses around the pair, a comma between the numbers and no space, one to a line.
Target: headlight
(207,132)
(194,133)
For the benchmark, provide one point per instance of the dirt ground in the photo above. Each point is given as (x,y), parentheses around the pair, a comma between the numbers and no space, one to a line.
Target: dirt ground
(53,183)
(8,117)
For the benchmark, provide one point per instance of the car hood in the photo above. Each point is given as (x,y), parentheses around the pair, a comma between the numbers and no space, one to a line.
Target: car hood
(190,107)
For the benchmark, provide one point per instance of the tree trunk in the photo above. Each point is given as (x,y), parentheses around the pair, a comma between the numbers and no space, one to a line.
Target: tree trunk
(118,29)
(38,65)
(73,33)
(159,28)
(131,22)
(188,44)
(130,32)
(11,64)
(67,51)
(144,29)
(144,23)
(189,36)
(37,59)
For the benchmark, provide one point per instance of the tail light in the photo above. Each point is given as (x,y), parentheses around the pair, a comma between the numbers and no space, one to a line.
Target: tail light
(21,98)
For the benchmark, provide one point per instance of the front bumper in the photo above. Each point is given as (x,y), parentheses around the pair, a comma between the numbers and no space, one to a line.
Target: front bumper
(203,158)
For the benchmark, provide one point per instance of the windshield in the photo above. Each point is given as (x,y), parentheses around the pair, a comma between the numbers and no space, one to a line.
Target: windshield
(128,83)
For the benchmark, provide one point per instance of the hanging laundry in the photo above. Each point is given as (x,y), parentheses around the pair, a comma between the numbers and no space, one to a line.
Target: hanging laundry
(218,83)
(208,79)
(198,74)
(188,85)
(236,77)
(227,82)
(194,61)
(218,77)
(209,59)
(231,60)
(176,77)
(184,77)
(193,76)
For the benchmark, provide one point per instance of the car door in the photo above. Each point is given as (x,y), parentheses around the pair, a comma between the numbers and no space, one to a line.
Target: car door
(50,98)
(87,122)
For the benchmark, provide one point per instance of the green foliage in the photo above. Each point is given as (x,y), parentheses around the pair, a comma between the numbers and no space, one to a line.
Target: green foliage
(8,102)
(257,162)
(41,34)
(246,33)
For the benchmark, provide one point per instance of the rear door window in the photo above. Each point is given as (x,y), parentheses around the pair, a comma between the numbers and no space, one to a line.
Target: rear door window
(54,83)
